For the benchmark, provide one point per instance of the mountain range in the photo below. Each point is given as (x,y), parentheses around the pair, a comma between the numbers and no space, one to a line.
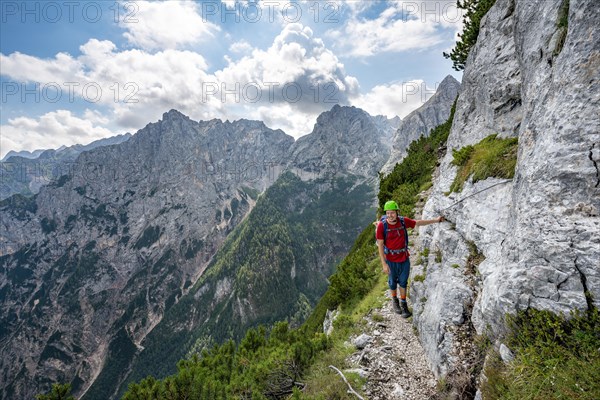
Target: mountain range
(182,235)
(26,172)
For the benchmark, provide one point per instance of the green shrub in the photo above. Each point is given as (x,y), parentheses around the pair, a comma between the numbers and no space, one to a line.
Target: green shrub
(563,26)
(419,278)
(413,174)
(463,155)
(377,317)
(58,392)
(555,358)
(563,15)
(492,157)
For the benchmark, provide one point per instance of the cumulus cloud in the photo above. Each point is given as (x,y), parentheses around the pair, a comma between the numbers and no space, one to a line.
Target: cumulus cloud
(26,68)
(283,116)
(157,25)
(402,26)
(240,47)
(297,75)
(51,130)
(287,85)
(394,99)
(297,69)
(136,85)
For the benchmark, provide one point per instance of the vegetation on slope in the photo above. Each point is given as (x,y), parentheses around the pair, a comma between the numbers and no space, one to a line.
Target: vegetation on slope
(274,266)
(276,365)
(555,358)
(413,175)
(562,25)
(492,157)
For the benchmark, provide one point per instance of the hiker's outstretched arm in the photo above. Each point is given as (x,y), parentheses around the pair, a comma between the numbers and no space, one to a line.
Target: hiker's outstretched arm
(422,222)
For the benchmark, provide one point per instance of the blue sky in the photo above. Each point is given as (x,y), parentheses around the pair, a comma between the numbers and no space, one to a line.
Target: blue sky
(74,72)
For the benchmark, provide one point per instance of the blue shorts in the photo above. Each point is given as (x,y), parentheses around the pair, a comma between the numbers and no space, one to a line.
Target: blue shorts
(399,272)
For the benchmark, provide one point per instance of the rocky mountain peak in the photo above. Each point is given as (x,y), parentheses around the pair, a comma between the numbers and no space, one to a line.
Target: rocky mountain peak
(343,139)
(388,125)
(421,121)
(449,80)
(447,90)
(173,114)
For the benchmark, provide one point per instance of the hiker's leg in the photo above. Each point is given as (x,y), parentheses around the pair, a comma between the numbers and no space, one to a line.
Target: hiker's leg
(403,293)
(403,277)
(393,283)
(392,278)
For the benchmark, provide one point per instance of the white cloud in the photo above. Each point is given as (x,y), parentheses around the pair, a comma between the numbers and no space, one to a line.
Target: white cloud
(298,78)
(230,4)
(95,117)
(296,75)
(394,99)
(138,86)
(51,130)
(297,69)
(155,25)
(283,116)
(403,26)
(26,68)
(241,47)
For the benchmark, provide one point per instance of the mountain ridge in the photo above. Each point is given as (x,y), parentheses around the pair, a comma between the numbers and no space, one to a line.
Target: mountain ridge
(123,237)
(421,121)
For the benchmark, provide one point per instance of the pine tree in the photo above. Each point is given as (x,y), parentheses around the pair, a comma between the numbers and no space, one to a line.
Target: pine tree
(475,10)
(58,392)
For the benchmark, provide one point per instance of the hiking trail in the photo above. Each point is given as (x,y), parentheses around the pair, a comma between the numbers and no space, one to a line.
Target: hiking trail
(393,360)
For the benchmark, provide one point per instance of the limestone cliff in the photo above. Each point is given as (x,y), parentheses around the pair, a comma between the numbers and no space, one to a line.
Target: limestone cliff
(540,231)
(421,121)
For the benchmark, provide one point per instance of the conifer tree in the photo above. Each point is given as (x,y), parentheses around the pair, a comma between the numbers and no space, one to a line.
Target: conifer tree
(58,392)
(475,10)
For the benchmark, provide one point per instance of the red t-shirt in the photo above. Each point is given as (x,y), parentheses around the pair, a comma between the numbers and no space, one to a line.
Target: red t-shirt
(395,239)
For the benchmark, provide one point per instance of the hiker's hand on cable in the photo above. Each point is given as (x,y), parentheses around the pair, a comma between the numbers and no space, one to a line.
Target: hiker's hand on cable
(440,219)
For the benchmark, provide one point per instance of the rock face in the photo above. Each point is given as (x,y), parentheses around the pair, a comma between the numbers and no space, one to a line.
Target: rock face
(539,232)
(25,173)
(344,140)
(421,121)
(388,125)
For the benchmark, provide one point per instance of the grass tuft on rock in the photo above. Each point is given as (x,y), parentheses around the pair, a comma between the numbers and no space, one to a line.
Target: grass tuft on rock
(492,157)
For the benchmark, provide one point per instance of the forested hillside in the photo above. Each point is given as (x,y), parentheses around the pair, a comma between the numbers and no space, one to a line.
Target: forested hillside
(266,270)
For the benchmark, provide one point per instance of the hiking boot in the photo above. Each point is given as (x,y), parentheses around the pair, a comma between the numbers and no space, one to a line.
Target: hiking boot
(405,312)
(396,305)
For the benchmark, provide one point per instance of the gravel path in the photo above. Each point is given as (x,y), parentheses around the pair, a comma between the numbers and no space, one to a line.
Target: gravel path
(393,360)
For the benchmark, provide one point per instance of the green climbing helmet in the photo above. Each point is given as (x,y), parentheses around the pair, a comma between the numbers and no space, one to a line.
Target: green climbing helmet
(390,206)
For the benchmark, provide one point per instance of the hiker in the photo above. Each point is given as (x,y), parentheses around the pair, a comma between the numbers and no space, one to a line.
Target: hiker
(392,241)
